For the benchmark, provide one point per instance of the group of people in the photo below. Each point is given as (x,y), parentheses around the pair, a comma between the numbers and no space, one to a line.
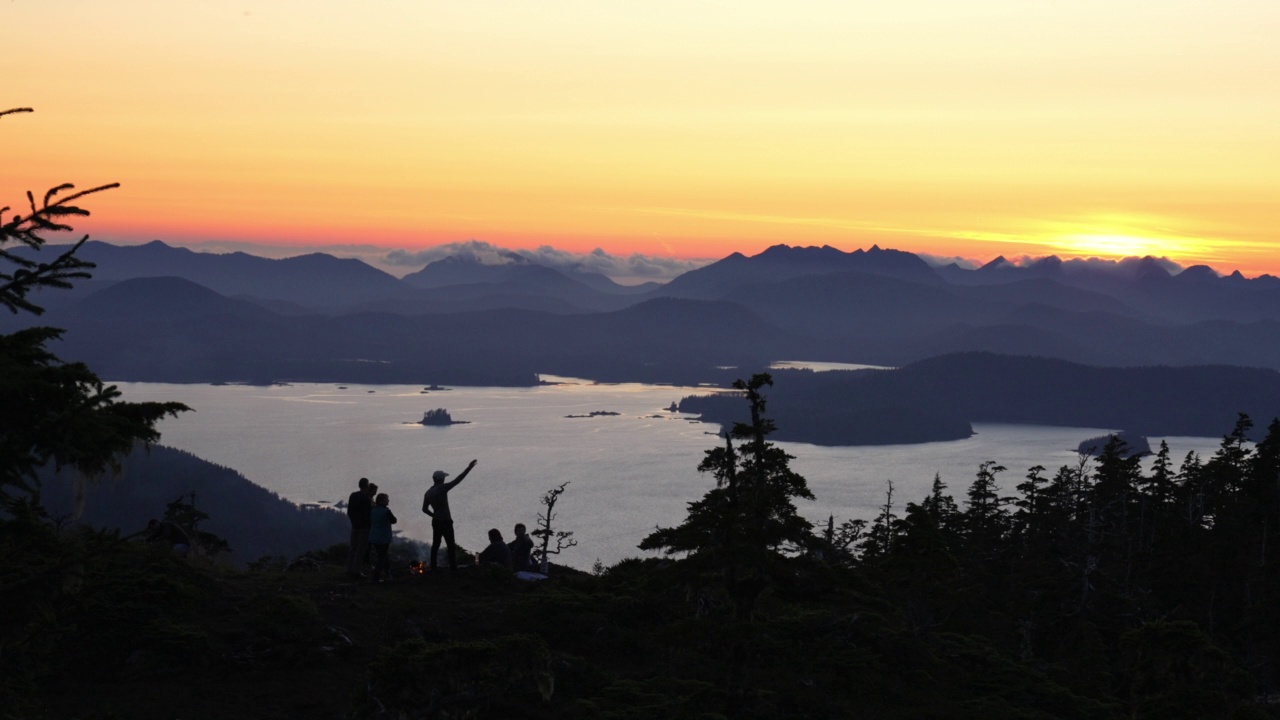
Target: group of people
(371,521)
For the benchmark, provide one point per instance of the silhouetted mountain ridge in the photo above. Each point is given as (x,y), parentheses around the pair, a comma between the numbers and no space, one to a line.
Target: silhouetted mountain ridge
(883,307)
(315,280)
(172,330)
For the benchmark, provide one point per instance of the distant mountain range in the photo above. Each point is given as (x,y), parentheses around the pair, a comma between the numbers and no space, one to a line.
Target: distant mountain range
(159,313)
(172,330)
(316,281)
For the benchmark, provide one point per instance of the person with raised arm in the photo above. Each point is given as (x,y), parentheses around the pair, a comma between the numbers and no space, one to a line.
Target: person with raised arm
(436,504)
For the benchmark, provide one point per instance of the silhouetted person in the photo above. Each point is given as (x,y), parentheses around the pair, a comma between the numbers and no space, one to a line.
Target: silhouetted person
(358,506)
(436,504)
(372,492)
(520,549)
(380,521)
(171,533)
(497,552)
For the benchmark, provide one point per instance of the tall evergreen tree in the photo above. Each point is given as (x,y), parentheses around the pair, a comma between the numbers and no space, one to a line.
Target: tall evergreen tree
(740,525)
(985,516)
(880,538)
(53,411)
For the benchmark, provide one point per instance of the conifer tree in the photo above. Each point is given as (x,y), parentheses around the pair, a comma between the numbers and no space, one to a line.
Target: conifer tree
(741,524)
(941,507)
(1031,506)
(53,411)
(985,517)
(878,543)
(1157,494)
(837,542)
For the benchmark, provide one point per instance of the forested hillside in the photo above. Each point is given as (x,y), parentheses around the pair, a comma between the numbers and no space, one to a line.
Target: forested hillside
(254,521)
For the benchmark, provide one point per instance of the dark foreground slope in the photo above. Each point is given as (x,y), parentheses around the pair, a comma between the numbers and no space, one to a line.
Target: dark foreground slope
(150,636)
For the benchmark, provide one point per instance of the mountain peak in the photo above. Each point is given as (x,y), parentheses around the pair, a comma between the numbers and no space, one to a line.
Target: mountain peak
(1197,273)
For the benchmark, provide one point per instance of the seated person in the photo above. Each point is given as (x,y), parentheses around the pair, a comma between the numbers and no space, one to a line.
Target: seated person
(520,549)
(497,552)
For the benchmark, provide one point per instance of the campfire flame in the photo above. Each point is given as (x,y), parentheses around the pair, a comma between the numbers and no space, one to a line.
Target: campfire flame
(417,567)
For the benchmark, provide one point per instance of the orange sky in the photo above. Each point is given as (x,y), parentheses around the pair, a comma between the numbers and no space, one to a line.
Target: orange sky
(690,129)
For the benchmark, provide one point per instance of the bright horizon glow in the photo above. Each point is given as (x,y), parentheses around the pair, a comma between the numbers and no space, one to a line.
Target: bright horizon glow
(1116,245)
(688,130)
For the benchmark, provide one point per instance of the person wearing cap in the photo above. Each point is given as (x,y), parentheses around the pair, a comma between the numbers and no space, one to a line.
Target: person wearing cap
(436,504)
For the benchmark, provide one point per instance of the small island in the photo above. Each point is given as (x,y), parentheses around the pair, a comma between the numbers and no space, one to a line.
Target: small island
(594,413)
(1134,444)
(439,417)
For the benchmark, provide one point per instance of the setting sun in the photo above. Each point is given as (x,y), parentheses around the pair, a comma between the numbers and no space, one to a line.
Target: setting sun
(1119,246)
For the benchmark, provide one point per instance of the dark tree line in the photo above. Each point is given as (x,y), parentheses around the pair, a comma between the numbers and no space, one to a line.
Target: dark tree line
(1165,580)
(1156,586)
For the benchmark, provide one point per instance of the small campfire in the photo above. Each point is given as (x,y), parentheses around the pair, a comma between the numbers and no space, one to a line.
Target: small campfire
(417,567)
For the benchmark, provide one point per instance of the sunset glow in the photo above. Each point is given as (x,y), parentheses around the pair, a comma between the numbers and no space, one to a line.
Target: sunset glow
(669,128)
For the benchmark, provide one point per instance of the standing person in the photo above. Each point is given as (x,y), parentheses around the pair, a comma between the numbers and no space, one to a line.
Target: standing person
(358,506)
(520,549)
(372,491)
(380,521)
(436,504)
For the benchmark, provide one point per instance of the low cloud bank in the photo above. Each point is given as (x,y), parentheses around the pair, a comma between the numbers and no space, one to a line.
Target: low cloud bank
(628,269)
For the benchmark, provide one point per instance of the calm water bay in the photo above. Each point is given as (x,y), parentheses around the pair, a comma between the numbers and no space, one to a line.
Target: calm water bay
(628,473)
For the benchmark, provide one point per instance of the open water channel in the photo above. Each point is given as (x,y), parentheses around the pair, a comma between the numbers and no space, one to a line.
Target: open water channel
(627,473)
